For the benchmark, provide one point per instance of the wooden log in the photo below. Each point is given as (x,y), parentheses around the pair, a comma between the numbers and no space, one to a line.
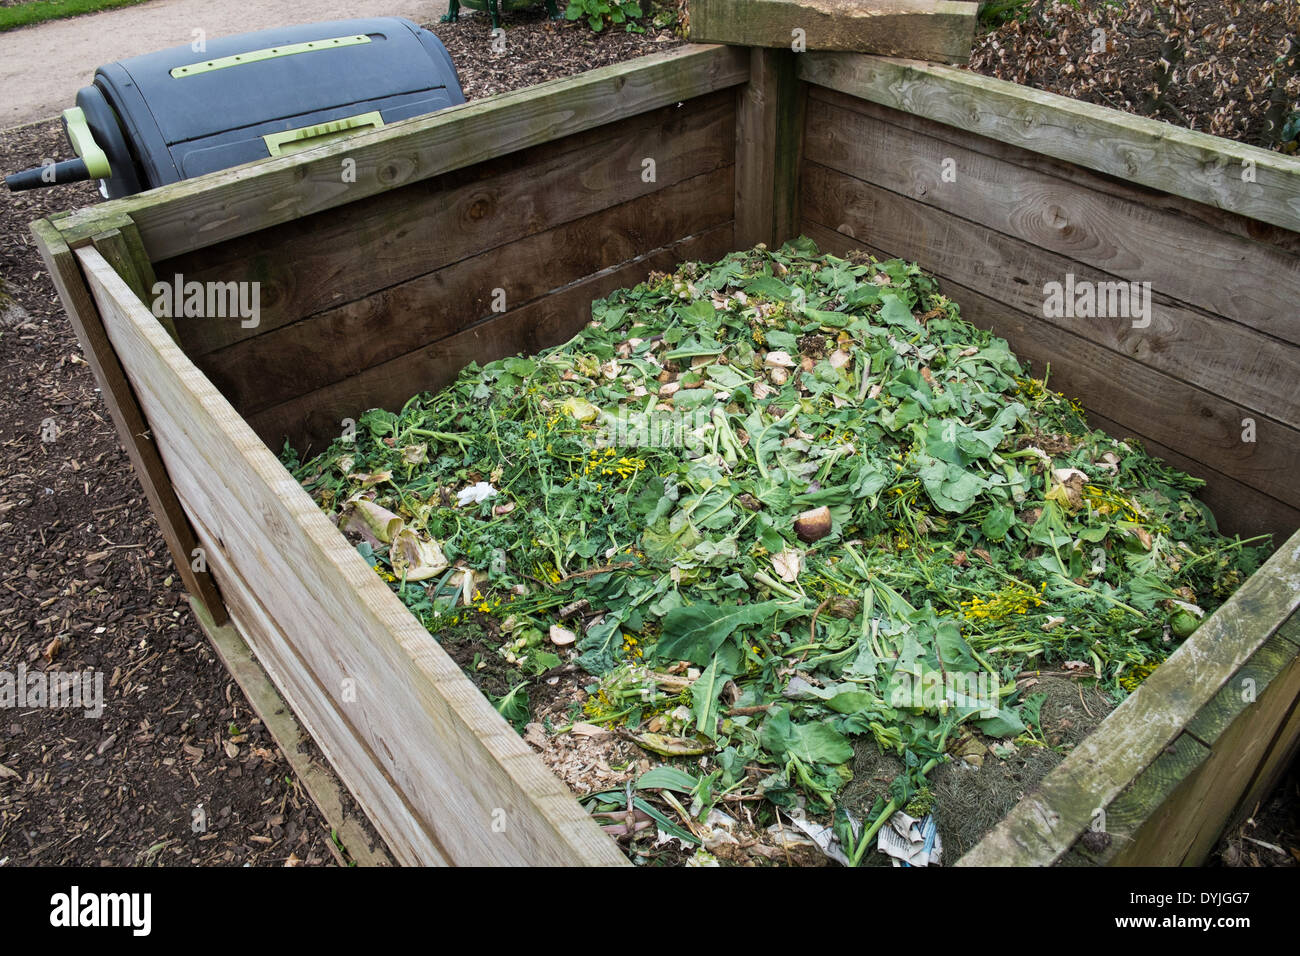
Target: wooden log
(1123,236)
(440,774)
(1253,182)
(1089,373)
(123,406)
(201,212)
(344,341)
(940,30)
(336,257)
(312,420)
(769,146)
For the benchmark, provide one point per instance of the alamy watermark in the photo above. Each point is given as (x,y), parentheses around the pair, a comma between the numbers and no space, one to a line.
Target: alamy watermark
(935,690)
(1085,299)
(74,909)
(54,690)
(686,430)
(208,300)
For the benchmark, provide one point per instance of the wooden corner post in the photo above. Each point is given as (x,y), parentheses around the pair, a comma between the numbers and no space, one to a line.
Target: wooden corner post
(769,148)
(132,429)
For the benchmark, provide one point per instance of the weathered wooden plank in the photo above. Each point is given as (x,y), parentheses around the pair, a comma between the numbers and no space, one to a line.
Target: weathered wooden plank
(1142,801)
(769,144)
(342,255)
(1225,358)
(122,247)
(1247,685)
(312,420)
(320,782)
(434,766)
(1186,211)
(1244,179)
(1139,802)
(132,429)
(340,342)
(991,280)
(209,209)
(1246,281)
(1047,822)
(1090,374)
(1185,828)
(926,29)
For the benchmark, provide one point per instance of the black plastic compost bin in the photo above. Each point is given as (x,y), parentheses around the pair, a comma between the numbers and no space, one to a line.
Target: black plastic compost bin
(179,113)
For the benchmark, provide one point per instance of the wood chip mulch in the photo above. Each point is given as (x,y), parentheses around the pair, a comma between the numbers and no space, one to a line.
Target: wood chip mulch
(1216,61)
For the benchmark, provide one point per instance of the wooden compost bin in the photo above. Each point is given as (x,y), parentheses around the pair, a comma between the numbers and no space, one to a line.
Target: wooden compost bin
(378,258)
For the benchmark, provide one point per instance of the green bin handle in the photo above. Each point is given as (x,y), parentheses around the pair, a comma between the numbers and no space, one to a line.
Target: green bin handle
(296,140)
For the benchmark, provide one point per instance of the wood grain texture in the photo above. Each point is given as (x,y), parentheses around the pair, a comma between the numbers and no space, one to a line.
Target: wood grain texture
(1000,291)
(426,755)
(344,341)
(1151,801)
(312,420)
(1047,822)
(122,247)
(336,257)
(132,429)
(926,29)
(769,146)
(1186,827)
(1115,398)
(1139,802)
(210,209)
(1246,281)
(320,782)
(1186,212)
(1197,166)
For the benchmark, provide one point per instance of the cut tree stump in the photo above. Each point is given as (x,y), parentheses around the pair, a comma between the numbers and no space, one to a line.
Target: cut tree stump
(940,30)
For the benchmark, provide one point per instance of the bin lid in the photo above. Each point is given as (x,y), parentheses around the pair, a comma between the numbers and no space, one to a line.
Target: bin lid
(254,78)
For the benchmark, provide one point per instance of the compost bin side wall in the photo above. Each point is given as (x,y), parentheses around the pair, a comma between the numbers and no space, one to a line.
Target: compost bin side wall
(442,776)
(1206,379)
(370,303)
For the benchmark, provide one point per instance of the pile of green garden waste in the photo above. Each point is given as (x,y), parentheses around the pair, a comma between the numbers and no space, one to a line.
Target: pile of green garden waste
(776,504)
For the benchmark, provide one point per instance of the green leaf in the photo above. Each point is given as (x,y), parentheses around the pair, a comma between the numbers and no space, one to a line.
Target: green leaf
(951,487)
(854,701)
(704,699)
(666,778)
(998,522)
(814,742)
(695,633)
(513,706)
(1006,724)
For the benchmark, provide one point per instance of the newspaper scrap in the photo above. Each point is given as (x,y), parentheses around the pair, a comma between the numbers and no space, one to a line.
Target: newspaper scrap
(911,842)
(823,835)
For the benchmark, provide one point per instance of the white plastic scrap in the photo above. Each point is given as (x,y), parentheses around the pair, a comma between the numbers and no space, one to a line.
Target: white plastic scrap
(904,839)
(474,494)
